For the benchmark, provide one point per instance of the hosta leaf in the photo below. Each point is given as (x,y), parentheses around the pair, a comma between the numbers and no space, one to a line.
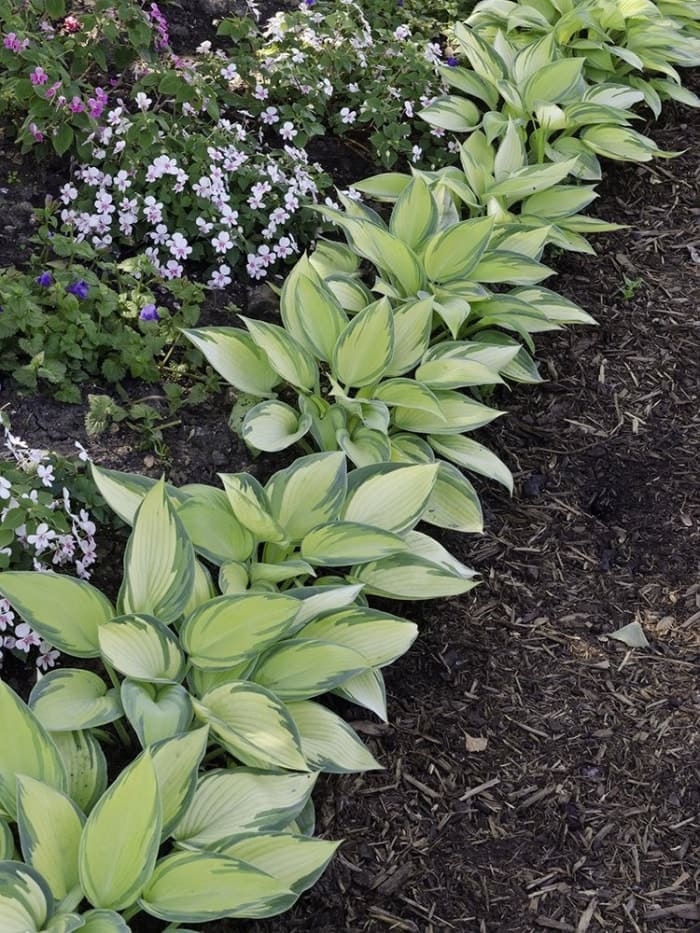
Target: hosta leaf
(239,800)
(310,311)
(176,762)
(620,142)
(7,841)
(522,367)
(410,576)
(273,426)
(120,841)
(365,348)
(510,155)
(66,923)
(502,266)
(407,448)
(366,690)
(25,899)
(141,647)
(67,700)
(103,921)
(384,187)
(452,113)
(301,668)
(389,496)
(286,355)
(234,355)
(412,326)
(317,599)
(251,506)
(455,252)
(261,572)
(213,529)
(483,59)
(365,447)
(559,200)
(454,503)
(397,261)
(156,711)
(307,493)
(555,307)
(297,861)
(555,82)
(124,492)
(233,579)
(64,611)
(408,393)
(85,765)
(25,748)
(197,887)
(231,629)
(455,373)
(253,725)
(473,456)
(352,294)
(340,544)
(50,825)
(460,414)
(379,637)
(328,742)
(159,560)
(471,83)
(415,215)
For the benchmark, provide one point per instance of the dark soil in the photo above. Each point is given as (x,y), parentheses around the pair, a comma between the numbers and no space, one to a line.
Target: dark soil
(539,775)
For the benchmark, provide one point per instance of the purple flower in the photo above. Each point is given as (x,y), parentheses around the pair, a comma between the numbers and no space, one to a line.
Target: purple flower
(149,313)
(44,279)
(38,76)
(80,289)
(452,61)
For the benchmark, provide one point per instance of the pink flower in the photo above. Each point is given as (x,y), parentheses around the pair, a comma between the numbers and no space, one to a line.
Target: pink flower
(51,91)
(36,132)
(38,76)
(71,24)
(76,105)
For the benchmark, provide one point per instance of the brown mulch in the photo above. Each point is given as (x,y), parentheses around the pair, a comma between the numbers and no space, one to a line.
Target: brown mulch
(539,774)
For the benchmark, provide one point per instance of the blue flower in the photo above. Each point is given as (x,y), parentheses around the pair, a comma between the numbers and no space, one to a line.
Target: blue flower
(80,289)
(44,279)
(149,313)
(452,61)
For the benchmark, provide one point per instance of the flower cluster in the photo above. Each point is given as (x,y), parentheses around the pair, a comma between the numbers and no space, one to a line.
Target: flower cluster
(41,529)
(217,198)
(161,38)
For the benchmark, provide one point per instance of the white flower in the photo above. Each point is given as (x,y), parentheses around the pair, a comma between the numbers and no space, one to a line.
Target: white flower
(41,538)
(5,488)
(45,474)
(347,115)
(402,32)
(229,72)
(143,102)
(220,277)
(203,47)
(416,153)
(270,115)
(287,131)
(222,242)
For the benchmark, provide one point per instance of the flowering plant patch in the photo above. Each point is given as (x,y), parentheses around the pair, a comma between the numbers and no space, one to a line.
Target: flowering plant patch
(74,322)
(61,62)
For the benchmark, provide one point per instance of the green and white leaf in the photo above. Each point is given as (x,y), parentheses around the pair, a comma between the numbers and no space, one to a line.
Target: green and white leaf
(365,348)
(300,668)
(473,456)
(460,413)
(389,496)
(273,425)
(156,711)
(297,861)
(366,690)
(85,766)
(328,742)
(454,503)
(455,252)
(235,356)
(251,506)
(124,492)
(309,492)
(452,113)
(141,647)
(68,700)
(25,899)
(213,529)
(286,355)
(176,762)
(379,637)
(412,327)
(340,544)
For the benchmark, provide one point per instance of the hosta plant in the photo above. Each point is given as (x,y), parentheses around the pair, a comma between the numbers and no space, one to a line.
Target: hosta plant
(558,114)
(620,41)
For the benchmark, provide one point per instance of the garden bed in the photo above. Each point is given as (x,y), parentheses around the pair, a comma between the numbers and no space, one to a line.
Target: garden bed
(539,774)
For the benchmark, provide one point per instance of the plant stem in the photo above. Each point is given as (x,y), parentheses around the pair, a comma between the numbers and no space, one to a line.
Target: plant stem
(121,731)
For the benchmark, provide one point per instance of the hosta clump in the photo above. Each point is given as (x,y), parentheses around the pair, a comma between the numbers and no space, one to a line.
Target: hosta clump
(558,114)
(183,834)
(620,41)
(185,180)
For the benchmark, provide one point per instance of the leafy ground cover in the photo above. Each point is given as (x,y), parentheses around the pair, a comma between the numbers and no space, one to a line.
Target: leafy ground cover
(541,775)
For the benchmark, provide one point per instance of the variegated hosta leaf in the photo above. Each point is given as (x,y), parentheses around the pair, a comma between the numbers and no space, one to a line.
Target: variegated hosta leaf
(386,186)
(64,611)
(455,373)
(297,861)
(521,368)
(407,448)
(554,82)
(454,253)
(262,572)
(197,887)
(365,446)
(120,841)
(124,492)
(317,599)
(25,899)
(229,802)
(309,492)
(426,572)
(253,725)
(104,921)
(310,311)
(621,143)
(473,456)
(501,266)
(366,690)
(68,700)
(65,923)
(159,561)
(176,762)
(454,503)
(460,412)
(328,743)
(50,825)
(379,637)
(339,544)
(25,748)
(395,260)
(233,579)
(286,355)
(391,496)
(414,217)
(231,629)
(234,355)
(351,293)
(530,181)
(251,506)
(365,348)
(452,113)
(554,306)
(85,765)
(141,647)
(408,393)
(212,527)
(298,669)
(156,711)
(412,327)
(273,425)
(202,591)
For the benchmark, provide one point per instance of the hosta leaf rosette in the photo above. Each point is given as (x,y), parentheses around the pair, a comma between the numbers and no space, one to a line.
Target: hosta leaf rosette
(26,902)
